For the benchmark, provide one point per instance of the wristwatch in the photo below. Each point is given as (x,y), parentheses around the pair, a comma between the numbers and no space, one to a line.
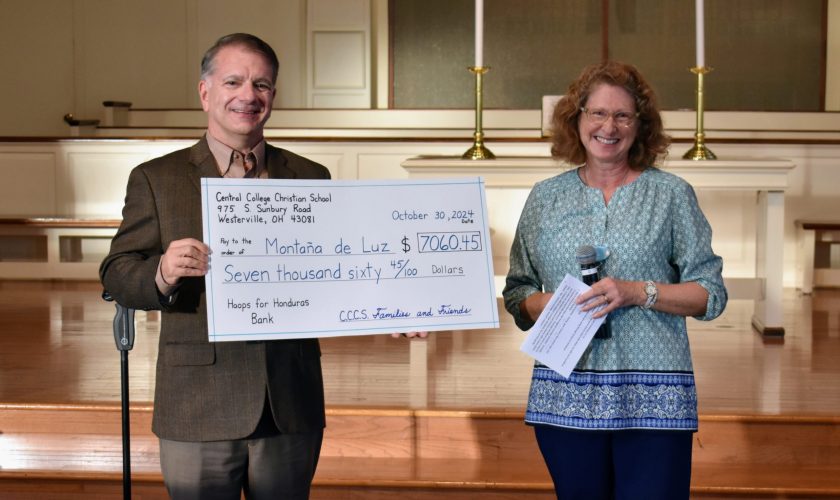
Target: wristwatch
(652,293)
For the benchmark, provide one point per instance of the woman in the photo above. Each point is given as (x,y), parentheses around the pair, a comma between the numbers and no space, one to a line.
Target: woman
(621,426)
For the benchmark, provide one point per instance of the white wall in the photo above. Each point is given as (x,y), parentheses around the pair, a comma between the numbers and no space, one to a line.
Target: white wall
(338,42)
(37,87)
(279,22)
(832,62)
(57,181)
(129,51)
(67,56)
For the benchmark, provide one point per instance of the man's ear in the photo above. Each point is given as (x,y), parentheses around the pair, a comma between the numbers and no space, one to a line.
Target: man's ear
(202,94)
(273,95)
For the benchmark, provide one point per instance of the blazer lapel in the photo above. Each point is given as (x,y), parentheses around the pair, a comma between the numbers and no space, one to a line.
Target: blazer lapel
(277,165)
(204,165)
(202,162)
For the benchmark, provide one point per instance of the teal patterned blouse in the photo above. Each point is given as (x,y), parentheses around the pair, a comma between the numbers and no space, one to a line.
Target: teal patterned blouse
(641,377)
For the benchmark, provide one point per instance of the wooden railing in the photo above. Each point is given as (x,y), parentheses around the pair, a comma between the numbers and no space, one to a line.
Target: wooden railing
(499,124)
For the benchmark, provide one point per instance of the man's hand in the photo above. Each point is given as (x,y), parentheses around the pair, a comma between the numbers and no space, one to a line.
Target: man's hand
(411,335)
(183,258)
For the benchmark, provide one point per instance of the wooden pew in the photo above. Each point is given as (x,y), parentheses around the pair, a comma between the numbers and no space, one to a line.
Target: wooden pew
(813,235)
(54,247)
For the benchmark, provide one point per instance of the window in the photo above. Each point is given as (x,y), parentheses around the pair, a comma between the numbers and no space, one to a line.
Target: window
(767,55)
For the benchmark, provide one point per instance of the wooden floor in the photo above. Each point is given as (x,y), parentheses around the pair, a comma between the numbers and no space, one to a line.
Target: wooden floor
(57,350)
(56,346)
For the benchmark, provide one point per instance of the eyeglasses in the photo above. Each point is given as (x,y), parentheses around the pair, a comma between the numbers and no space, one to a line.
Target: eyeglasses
(600,116)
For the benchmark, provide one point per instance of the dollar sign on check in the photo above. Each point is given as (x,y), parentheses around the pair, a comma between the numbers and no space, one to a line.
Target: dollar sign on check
(406,246)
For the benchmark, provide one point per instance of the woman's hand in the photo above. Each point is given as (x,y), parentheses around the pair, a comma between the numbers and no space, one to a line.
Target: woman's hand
(533,306)
(611,293)
(682,299)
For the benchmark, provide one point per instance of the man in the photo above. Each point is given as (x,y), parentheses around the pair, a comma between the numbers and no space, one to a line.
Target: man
(231,416)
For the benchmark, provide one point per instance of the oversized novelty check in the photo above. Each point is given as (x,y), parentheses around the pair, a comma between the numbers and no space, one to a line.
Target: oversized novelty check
(311,258)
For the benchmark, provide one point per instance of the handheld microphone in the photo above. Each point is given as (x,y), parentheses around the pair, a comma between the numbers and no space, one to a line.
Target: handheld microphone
(589,266)
(590,271)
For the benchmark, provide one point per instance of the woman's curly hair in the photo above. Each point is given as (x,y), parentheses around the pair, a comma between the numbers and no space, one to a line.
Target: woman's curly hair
(651,144)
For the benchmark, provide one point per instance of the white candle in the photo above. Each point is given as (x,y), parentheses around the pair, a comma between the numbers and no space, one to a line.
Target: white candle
(479,33)
(701,49)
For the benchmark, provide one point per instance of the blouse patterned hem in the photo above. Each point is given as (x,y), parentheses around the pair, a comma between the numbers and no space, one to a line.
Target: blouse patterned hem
(613,400)
(614,425)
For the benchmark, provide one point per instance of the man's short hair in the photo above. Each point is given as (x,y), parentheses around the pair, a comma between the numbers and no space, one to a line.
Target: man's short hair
(245,40)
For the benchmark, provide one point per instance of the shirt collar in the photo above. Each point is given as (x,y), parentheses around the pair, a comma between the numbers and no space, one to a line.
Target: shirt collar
(223,154)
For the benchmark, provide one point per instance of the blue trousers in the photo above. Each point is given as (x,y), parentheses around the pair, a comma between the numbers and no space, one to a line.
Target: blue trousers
(617,465)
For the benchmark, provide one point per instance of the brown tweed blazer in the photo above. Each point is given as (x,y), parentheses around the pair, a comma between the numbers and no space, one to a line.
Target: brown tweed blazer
(206,391)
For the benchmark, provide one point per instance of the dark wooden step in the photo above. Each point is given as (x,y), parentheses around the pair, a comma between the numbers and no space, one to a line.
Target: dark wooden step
(69,451)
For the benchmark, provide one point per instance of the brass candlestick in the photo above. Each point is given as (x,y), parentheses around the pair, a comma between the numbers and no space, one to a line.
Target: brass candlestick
(699,151)
(478,151)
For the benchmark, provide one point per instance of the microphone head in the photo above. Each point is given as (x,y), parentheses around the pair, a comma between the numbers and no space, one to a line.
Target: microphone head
(585,254)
